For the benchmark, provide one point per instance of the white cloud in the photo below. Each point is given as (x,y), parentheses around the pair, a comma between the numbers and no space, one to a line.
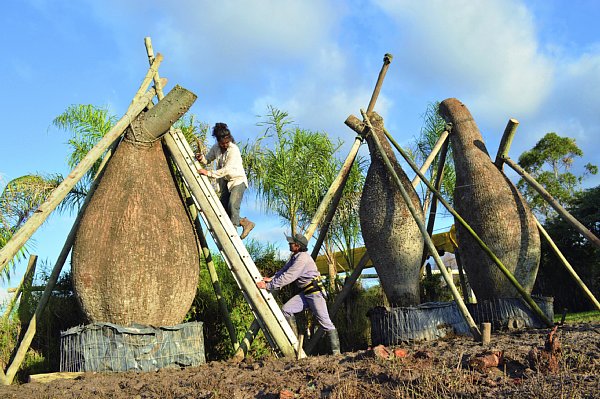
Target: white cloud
(485,52)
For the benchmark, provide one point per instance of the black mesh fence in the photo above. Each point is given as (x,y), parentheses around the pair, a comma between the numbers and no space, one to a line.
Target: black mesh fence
(110,347)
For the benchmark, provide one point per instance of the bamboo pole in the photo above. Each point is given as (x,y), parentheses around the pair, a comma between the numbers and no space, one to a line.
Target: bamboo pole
(53,278)
(339,299)
(214,278)
(428,241)
(333,195)
(549,199)
(461,277)
(336,189)
(438,184)
(387,59)
(567,265)
(505,142)
(27,277)
(434,151)
(60,192)
(534,306)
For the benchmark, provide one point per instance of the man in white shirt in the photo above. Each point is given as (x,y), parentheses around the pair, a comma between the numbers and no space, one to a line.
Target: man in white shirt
(230,175)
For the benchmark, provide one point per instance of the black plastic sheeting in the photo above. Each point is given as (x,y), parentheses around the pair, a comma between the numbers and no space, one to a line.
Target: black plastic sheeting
(511,313)
(434,320)
(425,322)
(110,347)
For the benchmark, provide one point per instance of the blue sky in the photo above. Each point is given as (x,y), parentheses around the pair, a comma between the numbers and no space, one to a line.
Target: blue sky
(536,61)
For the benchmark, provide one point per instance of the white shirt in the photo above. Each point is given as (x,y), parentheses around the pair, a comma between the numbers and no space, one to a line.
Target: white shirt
(229,165)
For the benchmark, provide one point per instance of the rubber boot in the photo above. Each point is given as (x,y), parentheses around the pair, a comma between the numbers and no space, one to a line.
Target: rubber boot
(334,341)
(292,322)
(247,225)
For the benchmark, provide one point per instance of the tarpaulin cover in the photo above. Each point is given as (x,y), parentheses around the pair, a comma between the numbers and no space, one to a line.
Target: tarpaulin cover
(110,347)
(425,322)
(511,313)
(434,320)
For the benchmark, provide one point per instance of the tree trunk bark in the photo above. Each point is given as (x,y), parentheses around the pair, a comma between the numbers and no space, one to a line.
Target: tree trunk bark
(390,233)
(494,208)
(135,258)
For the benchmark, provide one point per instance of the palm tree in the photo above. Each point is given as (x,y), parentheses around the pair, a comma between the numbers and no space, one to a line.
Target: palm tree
(289,178)
(19,199)
(433,126)
(87,124)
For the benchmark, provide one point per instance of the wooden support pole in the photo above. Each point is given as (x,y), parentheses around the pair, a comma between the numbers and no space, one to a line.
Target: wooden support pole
(462,278)
(387,59)
(247,341)
(428,241)
(524,294)
(53,278)
(214,278)
(486,333)
(60,192)
(334,194)
(339,300)
(438,184)
(550,200)
(434,151)
(567,265)
(26,280)
(505,142)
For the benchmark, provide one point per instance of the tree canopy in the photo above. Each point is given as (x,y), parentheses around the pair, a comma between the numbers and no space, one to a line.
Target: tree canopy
(549,162)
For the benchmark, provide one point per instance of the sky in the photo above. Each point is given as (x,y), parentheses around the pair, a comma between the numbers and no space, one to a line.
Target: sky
(318,60)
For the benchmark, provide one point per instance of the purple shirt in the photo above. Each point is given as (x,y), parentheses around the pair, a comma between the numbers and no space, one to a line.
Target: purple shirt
(301,268)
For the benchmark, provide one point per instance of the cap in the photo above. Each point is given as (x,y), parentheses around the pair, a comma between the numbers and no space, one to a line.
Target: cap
(298,239)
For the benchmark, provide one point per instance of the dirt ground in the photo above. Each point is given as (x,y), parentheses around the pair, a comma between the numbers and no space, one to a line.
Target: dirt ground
(439,369)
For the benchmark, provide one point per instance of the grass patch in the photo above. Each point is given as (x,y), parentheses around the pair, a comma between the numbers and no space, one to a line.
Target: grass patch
(592,316)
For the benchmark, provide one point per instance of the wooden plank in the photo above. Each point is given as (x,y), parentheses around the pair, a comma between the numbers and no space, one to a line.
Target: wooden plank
(49,377)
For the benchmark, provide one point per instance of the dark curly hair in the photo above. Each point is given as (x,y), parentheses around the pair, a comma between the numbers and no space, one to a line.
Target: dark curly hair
(220,131)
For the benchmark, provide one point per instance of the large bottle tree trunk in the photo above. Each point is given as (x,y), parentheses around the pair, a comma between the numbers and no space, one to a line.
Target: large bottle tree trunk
(491,204)
(390,233)
(135,258)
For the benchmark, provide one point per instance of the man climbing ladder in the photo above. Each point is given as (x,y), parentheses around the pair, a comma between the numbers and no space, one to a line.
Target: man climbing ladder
(230,175)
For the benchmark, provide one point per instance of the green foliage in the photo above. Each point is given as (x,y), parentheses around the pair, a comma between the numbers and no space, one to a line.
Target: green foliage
(61,313)
(433,126)
(291,177)
(549,162)
(86,124)
(553,279)
(205,306)
(20,198)
(592,316)
(352,323)
(194,131)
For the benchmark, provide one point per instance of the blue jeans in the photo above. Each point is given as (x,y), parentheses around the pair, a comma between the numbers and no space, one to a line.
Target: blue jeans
(231,201)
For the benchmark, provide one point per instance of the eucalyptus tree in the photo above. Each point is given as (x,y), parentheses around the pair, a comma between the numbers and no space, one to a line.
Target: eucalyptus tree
(549,162)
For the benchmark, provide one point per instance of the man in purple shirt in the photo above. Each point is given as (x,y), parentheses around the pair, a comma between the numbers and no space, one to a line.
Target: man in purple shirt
(302,270)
